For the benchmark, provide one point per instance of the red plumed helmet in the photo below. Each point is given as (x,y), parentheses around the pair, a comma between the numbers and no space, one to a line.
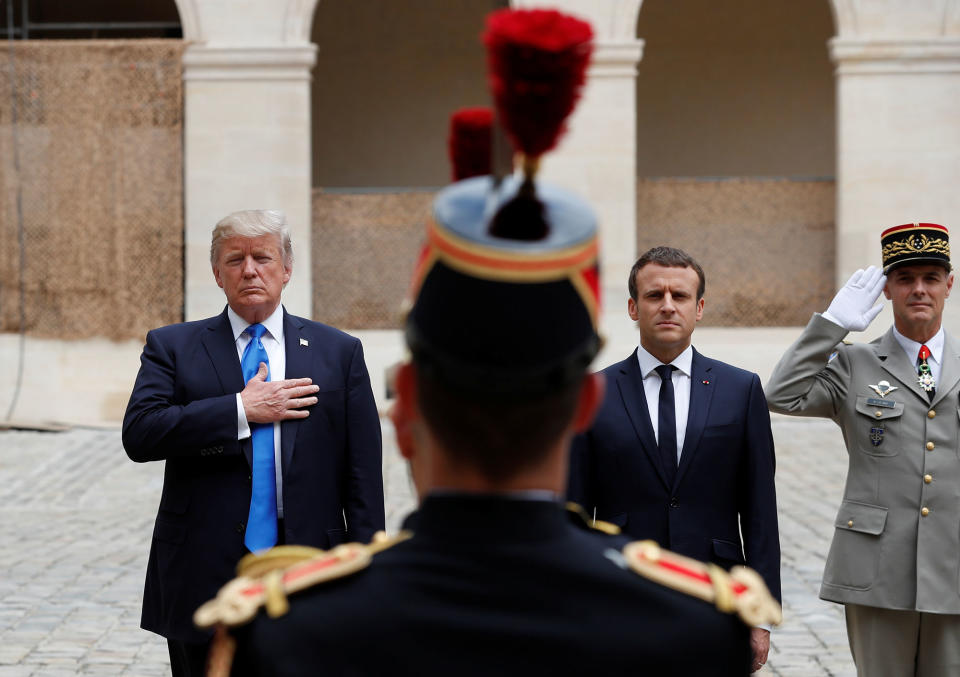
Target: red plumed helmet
(469,143)
(537,62)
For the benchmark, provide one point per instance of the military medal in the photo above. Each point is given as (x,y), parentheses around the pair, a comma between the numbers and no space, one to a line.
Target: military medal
(876,436)
(883,388)
(924,375)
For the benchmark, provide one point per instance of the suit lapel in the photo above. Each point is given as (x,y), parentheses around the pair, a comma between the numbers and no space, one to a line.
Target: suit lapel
(701,393)
(299,362)
(221,346)
(950,370)
(630,383)
(896,363)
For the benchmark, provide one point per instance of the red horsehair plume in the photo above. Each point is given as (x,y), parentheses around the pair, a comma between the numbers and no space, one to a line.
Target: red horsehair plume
(537,60)
(469,142)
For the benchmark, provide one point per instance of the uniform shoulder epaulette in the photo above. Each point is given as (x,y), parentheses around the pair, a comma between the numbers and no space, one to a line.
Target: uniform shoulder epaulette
(581,517)
(740,591)
(268,578)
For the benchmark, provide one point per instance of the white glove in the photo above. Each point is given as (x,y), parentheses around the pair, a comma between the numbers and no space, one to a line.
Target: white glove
(853,307)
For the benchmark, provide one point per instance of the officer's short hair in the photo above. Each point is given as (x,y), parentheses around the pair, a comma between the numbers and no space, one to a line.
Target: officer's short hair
(496,435)
(670,257)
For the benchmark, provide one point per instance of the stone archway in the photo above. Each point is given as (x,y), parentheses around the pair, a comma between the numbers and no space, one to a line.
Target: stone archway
(735,156)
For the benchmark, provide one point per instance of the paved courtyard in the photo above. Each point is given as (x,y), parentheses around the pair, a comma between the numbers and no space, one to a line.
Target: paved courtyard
(76,517)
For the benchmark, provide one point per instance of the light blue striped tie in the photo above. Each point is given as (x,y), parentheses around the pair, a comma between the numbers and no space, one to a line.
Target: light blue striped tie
(262,521)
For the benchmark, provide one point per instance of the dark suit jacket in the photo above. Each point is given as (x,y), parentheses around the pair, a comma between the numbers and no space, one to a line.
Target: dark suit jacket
(493,586)
(724,482)
(183,410)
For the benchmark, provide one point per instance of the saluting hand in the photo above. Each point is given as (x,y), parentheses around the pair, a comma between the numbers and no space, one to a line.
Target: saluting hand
(270,401)
(853,307)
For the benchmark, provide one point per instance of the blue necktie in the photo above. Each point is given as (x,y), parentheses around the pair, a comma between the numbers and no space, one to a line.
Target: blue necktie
(262,521)
(667,423)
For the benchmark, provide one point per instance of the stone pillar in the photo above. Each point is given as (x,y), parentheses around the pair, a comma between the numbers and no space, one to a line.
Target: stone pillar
(898,131)
(598,156)
(247,134)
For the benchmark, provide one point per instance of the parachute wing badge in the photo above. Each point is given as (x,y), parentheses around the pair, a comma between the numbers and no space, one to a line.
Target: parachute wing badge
(741,591)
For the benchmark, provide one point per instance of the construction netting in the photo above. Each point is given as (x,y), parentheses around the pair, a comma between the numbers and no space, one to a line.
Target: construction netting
(767,246)
(91,187)
(364,248)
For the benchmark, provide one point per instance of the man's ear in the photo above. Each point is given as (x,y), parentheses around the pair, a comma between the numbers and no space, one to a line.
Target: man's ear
(949,284)
(216,276)
(700,309)
(632,309)
(588,403)
(404,411)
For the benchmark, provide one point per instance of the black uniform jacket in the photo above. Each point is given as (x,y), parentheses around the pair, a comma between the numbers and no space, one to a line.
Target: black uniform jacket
(492,586)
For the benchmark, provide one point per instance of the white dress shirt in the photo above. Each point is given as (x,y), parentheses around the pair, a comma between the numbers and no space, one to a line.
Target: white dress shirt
(273,343)
(681,390)
(912,348)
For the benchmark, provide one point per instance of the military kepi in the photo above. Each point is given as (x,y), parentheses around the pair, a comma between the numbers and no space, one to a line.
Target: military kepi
(915,243)
(505,295)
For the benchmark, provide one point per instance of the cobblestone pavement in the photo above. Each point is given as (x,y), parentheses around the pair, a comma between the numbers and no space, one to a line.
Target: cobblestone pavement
(76,516)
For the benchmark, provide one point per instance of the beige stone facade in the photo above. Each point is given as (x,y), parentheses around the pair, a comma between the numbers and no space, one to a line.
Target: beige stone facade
(830,119)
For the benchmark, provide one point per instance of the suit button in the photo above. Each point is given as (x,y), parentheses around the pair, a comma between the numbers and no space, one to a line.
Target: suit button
(925,512)
(930,446)
(931,413)
(240,527)
(849,523)
(928,478)
(249,478)
(674,502)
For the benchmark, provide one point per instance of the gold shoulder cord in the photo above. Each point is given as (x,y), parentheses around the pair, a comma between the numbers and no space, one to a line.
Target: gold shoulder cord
(741,591)
(266,580)
(598,525)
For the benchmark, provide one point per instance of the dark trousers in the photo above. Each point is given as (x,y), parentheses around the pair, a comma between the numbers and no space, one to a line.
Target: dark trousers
(188,659)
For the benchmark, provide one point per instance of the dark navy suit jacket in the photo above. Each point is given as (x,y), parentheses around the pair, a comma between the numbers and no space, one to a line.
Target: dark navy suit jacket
(183,410)
(724,485)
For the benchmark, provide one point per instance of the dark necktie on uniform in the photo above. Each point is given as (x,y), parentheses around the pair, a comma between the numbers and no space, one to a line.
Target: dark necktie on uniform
(924,374)
(667,423)
(262,520)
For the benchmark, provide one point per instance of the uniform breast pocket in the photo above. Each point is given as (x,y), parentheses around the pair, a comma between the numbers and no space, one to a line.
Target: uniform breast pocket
(877,427)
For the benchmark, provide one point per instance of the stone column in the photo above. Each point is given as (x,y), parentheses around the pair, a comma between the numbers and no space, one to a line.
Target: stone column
(598,157)
(898,131)
(247,134)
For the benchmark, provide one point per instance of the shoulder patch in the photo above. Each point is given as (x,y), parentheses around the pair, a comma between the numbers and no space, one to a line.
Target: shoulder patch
(265,584)
(581,518)
(740,591)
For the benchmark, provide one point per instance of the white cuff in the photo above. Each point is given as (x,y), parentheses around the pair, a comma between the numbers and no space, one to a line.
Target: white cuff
(827,316)
(243,428)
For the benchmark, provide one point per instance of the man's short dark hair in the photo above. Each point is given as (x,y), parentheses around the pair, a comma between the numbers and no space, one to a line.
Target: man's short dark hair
(670,257)
(498,435)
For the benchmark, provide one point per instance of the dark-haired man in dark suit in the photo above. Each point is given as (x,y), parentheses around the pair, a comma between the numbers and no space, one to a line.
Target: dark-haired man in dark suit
(681,451)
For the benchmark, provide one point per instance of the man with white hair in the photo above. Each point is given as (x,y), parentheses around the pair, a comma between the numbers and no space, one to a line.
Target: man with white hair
(268,427)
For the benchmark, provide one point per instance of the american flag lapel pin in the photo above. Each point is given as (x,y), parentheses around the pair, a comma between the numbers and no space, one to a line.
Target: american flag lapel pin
(304,342)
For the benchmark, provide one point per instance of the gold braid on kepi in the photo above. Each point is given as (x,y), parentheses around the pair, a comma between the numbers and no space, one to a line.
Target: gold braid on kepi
(504,259)
(915,244)
(740,591)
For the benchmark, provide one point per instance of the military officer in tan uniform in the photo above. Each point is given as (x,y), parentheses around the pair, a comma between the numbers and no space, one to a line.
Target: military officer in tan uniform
(895,558)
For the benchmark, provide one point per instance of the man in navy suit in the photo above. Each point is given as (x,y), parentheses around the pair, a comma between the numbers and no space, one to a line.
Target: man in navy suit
(686,460)
(268,427)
